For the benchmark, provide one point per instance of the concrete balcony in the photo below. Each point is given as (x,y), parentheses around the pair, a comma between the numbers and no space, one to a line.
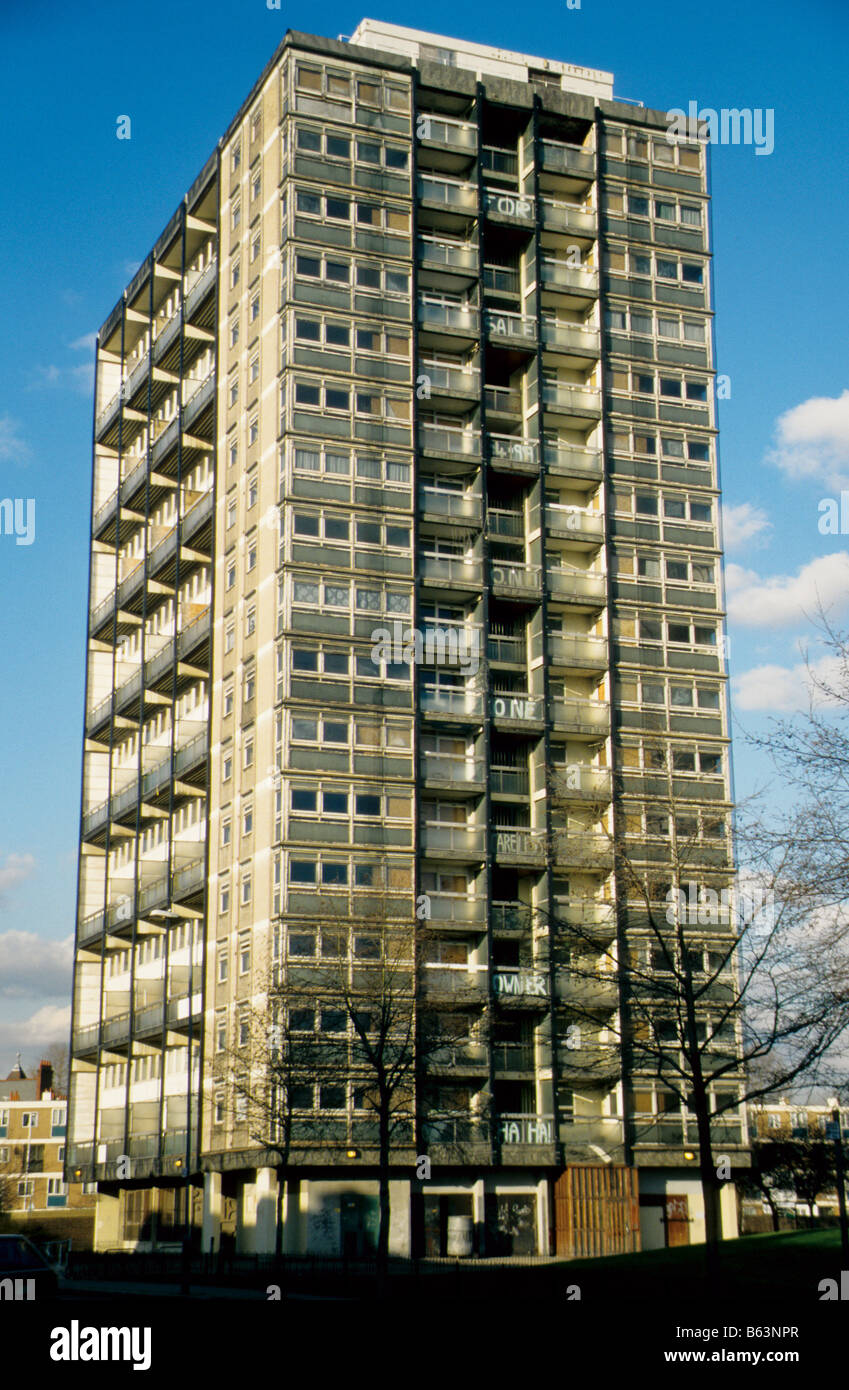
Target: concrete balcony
(511,329)
(591,851)
(557,157)
(511,917)
(517,709)
(509,781)
(519,846)
(574,339)
(457,984)
(507,651)
(444,770)
(443,441)
(457,910)
(562,275)
(578,782)
(515,581)
(567,399)
(514,208)
(453,841)
(578,652)
(451,572)
(453,194)
(530,1131)
(451,381)
(559,216)
(520,984)
(444,130)
(568,462)
(453,320)
(451,703)
(595,921)
(583,587)
(513,453)
(436,505)
(593,992)
(587,718)
(449,257)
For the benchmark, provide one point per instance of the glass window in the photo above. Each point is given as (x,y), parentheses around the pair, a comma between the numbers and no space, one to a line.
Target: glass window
(338,147)
(309,140)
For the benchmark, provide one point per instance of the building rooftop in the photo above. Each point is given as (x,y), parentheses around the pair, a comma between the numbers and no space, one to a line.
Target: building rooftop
(417,45)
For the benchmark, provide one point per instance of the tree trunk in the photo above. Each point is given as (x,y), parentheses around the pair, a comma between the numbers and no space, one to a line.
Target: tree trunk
(278,1233)
(710,1186)
(383,1189)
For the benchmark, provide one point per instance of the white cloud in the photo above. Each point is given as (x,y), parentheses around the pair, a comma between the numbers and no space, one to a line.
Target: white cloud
(16,868)
(78,378)
(742,523)
(12,447)
(84,344)
(782,689)
(812,440)
(32,965)
(783,599)
(50,1023)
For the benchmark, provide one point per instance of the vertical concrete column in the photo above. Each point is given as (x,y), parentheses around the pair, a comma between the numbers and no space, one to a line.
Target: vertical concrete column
(107,1222)
(266,1211)
(211,1229)
(728,1211)
(479,1215)
(245,1218)
(400,1218)
(543,1217)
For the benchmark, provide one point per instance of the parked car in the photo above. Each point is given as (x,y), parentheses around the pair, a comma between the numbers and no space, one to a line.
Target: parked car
(24,1271)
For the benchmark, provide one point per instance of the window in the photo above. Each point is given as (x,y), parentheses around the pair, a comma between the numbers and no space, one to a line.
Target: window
(253,370)
(226,831)
(235,271)
(255,308)
(222,962)
(230,631)
(248,819)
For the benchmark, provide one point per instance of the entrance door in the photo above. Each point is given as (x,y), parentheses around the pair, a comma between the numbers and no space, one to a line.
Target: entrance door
(678,1220)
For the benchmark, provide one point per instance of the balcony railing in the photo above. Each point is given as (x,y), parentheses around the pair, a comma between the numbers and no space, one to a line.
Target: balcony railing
(569,217)
(572,461)
(509,781)
(444,980)
(577,649)
(580,338)
(578,522)
(448,701)
(561,158)
(444,767)
(514,206)
(513,448)
(432,314)
(444,439)
(452,570)
(527,1130)
(564,275)
(450,193)
(457,506)
(581,716)
(502,279)
(457,908)
(510,916)
(443,377)
(519,844)
(502,522)
(443,130)
(519,580)
(515,982)
(453,839)
(450,255)
(500,161)
(507,649)
(500,324)
(563,396)
(576,585)
(520,707)
(502,400)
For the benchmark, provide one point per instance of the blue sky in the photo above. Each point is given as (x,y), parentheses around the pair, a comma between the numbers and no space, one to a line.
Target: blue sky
(81,208)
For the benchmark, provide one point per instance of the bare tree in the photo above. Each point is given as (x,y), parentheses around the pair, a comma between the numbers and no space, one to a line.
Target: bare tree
(360,1020)
(729,990)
